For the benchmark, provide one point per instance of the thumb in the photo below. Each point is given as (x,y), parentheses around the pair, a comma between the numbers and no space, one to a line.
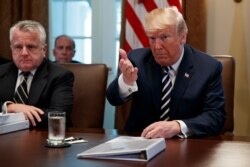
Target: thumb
(123,54)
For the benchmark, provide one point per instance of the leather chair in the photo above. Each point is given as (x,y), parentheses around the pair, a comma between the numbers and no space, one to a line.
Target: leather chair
(228,80)
(89,94)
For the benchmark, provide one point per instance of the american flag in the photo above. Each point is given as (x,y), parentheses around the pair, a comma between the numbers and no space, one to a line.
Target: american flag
(135,11)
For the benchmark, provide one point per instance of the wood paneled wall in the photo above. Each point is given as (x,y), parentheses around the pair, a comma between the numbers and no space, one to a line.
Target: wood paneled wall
(195,15)
(12,11)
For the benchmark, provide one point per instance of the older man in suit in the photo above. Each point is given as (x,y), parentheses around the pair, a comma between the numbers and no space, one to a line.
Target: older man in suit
(195,104)
(47,85)
(64,50)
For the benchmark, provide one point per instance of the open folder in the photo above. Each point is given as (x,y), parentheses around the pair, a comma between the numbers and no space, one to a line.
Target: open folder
(126,148)
(11,122)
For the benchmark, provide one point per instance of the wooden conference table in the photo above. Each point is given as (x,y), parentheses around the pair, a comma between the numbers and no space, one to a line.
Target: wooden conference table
(26,148)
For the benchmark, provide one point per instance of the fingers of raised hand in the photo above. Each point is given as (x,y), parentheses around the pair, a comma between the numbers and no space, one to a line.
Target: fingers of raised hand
(123,54)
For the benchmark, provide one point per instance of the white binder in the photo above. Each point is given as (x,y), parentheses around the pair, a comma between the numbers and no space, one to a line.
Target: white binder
(11,122)
(126,148)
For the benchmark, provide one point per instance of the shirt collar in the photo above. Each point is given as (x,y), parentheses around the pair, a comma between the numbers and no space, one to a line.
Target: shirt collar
(32,72)
(176,65)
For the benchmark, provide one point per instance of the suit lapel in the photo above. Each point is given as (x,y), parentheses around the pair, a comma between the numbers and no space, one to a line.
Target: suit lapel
(153,74)
(182,81)
(38,83)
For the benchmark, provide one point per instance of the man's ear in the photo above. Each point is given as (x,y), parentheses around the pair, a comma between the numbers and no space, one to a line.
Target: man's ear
(45,47)
(183,38)
(45,50)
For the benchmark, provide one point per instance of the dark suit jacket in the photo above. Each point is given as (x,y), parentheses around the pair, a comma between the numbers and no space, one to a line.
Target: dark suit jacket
(197,97)
(51,88)
(3,60)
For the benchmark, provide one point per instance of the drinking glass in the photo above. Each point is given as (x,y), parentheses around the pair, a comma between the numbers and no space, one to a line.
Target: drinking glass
(56,126)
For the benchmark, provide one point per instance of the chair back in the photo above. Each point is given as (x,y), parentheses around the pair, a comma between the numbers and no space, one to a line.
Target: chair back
(89,94)
(228,81)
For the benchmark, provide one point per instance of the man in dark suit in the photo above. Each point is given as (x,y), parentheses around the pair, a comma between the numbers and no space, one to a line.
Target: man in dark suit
(49,86)
(64,50)
(197,102)
(3,60)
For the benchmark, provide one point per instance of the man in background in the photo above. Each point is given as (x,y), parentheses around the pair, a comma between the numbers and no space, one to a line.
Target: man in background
(64,49)
(175,89)
(31,84)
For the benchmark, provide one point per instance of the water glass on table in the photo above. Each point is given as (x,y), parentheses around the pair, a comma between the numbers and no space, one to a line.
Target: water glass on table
(56,126)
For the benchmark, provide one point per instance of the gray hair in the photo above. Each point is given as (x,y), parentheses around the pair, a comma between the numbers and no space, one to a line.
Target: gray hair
(29,26)
(65,36)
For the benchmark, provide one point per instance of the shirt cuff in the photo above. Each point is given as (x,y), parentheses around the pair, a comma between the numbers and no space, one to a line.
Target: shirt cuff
(124,89)
(4,107)
(185,132)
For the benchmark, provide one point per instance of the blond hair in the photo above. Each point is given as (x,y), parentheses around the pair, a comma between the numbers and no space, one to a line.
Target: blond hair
(161,18)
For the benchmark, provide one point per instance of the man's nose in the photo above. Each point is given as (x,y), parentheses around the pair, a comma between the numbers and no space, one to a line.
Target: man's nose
(64,49)
(24,51)
(158,43)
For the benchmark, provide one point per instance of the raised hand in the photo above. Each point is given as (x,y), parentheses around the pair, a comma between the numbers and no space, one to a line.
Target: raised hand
(126,67)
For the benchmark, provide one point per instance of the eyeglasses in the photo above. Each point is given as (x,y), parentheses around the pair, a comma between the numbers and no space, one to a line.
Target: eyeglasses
(30,48)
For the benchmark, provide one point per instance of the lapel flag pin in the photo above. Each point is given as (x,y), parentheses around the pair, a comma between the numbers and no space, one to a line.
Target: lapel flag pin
(186,75)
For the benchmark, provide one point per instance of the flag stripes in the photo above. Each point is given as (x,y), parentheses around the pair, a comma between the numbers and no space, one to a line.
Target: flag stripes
(150,5)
